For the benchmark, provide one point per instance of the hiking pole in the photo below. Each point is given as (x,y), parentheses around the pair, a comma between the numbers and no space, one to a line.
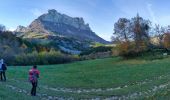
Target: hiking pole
(38,85)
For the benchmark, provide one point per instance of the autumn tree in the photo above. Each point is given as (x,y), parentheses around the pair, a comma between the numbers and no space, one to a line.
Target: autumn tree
(121,35)
(121,29)
(133,34)
(139,28)
(166,40)
(158,34)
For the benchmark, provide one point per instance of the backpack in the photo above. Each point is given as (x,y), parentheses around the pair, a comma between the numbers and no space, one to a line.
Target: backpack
(34,77)
(4,67)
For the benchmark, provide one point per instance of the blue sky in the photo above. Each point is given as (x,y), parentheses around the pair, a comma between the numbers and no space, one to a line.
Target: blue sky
(100,14)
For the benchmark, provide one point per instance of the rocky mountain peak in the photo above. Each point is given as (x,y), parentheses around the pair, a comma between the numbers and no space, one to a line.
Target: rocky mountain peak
(52,11)
(56,24)
(56,17)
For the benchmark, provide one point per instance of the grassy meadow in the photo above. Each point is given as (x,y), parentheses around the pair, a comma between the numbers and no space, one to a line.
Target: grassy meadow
(110,78)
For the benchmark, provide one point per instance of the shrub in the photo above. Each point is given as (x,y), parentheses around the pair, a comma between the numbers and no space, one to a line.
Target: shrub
(52,57)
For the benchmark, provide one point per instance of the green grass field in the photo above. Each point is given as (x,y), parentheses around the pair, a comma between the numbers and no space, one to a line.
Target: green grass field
(110,78)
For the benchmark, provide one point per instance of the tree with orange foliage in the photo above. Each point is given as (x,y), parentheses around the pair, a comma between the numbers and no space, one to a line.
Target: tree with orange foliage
(133,35)
(140,30)
(166,40)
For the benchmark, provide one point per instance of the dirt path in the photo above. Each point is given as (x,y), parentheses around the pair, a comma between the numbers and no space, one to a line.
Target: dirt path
(134,95)
(41,96)
(147,93)
(78,90)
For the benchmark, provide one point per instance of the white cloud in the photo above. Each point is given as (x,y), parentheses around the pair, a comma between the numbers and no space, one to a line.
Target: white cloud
(151,12)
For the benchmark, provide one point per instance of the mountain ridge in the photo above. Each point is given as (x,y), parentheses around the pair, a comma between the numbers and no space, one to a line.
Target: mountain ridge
(55,23)
(70,34)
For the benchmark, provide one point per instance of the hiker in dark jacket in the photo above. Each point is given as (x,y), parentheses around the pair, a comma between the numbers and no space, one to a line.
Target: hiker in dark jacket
(3,70)
(33,78)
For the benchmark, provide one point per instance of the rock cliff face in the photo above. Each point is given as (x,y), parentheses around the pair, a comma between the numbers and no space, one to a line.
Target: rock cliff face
(55,23)
(55,17)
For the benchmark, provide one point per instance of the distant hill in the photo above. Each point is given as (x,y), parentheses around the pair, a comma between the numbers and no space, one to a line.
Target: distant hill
(67,32)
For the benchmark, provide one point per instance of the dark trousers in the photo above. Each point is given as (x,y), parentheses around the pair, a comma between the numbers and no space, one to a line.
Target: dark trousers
(3,76)
(33,90)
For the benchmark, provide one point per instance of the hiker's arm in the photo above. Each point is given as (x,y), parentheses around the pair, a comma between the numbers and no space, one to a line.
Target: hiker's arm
(38,73)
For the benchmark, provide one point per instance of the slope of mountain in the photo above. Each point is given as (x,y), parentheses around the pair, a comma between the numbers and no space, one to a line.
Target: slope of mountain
(55,24)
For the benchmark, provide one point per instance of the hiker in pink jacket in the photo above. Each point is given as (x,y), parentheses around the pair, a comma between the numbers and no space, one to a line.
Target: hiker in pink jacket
(33,78)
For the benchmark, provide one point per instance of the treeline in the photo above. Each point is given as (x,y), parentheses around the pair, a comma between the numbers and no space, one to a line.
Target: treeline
(43,58)
(136,36)
(16,51)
